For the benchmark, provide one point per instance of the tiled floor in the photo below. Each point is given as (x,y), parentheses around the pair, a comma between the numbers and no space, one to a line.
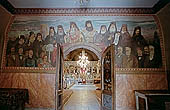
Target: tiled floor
(83,98)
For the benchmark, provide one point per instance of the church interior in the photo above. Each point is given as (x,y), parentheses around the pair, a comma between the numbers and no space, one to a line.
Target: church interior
(84,55)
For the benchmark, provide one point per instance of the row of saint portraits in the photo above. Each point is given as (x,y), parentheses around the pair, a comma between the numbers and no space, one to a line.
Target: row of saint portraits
(132,51)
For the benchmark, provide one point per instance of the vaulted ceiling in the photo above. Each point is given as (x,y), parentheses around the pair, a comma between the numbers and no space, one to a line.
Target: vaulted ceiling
(74,55)
(74,3)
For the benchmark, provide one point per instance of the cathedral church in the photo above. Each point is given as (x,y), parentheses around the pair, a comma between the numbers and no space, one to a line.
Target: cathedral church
(84,55)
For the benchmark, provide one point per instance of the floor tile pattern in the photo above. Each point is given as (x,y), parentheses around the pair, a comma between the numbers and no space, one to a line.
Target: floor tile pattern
(83,98)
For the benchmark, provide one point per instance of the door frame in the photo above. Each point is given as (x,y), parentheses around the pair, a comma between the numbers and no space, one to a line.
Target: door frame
(59,78)
(111,48)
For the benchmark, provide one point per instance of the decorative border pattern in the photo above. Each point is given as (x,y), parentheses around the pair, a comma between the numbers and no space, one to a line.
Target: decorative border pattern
(139,70)
(28,70)
(53,70)
(83,11)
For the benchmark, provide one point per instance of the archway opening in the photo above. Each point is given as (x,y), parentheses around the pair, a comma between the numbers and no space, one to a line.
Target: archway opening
(83,78)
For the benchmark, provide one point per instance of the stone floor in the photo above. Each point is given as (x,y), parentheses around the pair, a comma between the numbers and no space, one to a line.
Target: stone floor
(83,98)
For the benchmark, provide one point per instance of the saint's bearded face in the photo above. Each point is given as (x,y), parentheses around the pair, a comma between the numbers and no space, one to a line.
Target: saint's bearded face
(112,28)
(120,50)
(139,52)
(73,29)
(128,51)
(146,50)
(30,53)
(60,31)
(73,26)
(89,27)
(39,38)
(20,51)
(51,32)
(21,41)
(124,29)
(137,32)
(103,30)
(32,38)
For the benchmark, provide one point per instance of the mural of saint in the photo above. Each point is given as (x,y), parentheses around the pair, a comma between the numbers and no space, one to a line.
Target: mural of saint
(140,57)
(30,41)
(119,57)
(137,39)
(89,32)
(44,63)
(11,43)
(102,35)
(12,58)
(40,59)
(146,50)
(26,53)
(51,37)
(146,54)
(21,57)
(125,38)
(38,44)
(74,35)
(157,50)
(129,60)
(43,39)
(60,34)
(112,30)
(53,55)
(20,42)
(151,61)
(30,61)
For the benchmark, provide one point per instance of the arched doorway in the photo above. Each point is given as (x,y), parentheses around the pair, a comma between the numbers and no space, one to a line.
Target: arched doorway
(83,81)
(91,47)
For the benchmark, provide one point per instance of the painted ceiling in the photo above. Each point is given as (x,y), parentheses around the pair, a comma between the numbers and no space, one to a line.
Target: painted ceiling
(75,3)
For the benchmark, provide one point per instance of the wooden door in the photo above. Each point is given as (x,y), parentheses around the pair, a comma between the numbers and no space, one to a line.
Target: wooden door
(59,78)
(108,79)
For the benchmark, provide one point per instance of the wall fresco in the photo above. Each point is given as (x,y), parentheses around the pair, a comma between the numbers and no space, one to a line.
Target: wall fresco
(32,39)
